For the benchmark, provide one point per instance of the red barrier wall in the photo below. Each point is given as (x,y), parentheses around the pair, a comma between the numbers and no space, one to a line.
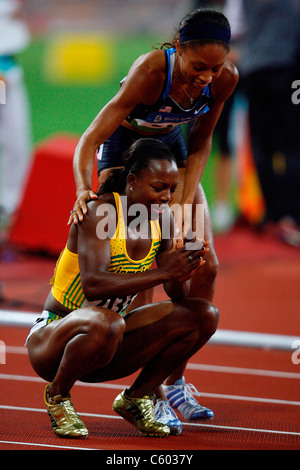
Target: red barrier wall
(49,195)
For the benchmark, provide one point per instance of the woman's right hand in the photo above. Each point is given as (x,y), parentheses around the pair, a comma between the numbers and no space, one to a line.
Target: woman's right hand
(79,208)
(181,263)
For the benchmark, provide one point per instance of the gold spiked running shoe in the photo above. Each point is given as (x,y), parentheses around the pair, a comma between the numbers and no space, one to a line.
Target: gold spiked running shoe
(64,419)
(140,413)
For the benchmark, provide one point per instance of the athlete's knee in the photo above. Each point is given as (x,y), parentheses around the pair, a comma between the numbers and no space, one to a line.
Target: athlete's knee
(205,316)
(106,326)
(212,319)
(211,267)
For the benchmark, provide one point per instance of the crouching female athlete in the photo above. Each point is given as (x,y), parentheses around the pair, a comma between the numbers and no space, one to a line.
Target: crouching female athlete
(82,335)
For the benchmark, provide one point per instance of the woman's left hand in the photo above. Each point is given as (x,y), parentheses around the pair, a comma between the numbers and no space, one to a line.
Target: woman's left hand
(79,208)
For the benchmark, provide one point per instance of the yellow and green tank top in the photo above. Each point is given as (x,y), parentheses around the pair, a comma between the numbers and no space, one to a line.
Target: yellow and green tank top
(66,281)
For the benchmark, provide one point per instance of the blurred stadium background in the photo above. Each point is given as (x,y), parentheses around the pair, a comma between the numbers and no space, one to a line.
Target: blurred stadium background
(79,52)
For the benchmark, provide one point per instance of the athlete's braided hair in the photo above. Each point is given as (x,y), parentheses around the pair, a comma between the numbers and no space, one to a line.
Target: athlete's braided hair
(139,156)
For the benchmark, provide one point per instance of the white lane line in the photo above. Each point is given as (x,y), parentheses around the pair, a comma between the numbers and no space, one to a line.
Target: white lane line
(46,445)
(222,337)
(204,367)
(206,425)
(274,401)
(236,428)
(243,370)
(25,378)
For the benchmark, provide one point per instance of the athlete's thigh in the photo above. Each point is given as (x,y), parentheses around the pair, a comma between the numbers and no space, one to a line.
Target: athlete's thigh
(46,345)
(176,143)
(203,281)
(200,198)
(149,330)
(205,229)
(110,154)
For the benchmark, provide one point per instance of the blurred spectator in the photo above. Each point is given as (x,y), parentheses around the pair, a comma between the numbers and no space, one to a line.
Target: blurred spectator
(15,140)
(269,63)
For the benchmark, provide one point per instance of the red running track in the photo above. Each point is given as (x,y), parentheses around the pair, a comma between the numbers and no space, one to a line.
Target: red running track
(254,393)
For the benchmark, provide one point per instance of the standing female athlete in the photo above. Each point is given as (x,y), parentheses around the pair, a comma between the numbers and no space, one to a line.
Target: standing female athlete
(82,335)
(187,80)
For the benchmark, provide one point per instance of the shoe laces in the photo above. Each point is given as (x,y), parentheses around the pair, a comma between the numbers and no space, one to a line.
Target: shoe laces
(146,407)
(72,414)
(163,407)
(188,391)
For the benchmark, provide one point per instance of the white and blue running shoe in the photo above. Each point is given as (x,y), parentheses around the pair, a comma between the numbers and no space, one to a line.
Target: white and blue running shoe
(165,415)
(180,397)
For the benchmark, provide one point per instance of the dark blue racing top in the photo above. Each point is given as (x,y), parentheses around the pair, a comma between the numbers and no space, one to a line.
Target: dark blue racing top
(166,113)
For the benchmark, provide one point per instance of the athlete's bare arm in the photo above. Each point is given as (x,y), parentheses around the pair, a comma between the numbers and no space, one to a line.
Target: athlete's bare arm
(94,260)
(143,84)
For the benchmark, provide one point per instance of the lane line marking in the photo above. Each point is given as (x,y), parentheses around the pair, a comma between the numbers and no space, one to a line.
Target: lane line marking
(243,370)
(213,426)
(203,367)
(24,378)
(47,445)
(222,337)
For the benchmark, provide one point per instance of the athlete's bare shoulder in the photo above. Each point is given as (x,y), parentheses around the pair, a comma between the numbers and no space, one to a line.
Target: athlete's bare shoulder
(148,72)
(151,62)
(104,199)
(224,85)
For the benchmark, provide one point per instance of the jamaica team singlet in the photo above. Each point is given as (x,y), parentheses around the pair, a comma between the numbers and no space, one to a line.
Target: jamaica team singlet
(66,281)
